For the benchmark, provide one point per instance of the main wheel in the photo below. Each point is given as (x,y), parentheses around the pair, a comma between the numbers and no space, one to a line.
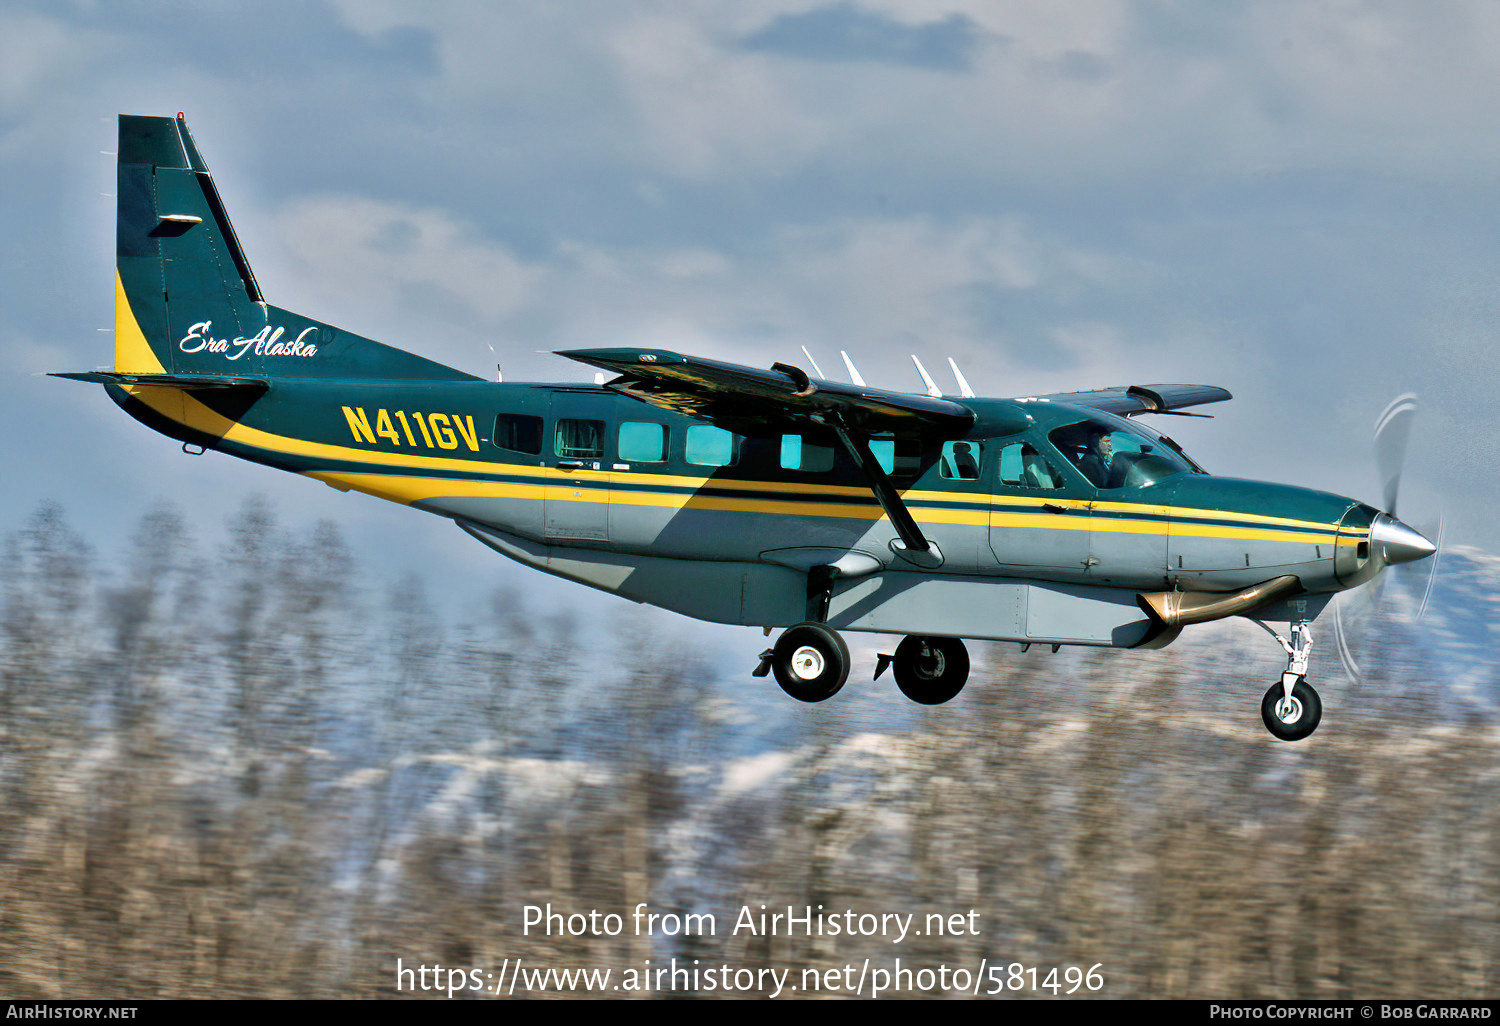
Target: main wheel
(930,671)
(811,662)
(1295,718)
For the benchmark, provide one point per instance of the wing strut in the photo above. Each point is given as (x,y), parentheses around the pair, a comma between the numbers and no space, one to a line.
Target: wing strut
(858,448)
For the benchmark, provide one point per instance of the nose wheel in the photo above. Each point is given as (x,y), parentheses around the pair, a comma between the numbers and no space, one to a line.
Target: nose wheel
(1291,717)
(1291,708)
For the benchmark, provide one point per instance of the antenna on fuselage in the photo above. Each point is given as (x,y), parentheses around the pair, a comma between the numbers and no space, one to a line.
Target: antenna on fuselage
(932,388)
(854,374)
(816,369)
(499,377)
(963,383)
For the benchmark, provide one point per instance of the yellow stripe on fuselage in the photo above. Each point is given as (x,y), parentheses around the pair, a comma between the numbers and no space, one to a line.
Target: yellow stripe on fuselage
(134,354)
(411,489)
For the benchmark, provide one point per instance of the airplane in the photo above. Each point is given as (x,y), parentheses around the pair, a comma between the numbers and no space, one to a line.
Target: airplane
(736,494)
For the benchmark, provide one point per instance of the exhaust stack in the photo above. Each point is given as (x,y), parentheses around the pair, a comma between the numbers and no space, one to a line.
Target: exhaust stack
(1179,608)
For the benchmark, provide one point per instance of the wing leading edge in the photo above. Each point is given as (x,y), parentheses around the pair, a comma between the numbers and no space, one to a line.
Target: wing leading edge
(755,401)
(752,401)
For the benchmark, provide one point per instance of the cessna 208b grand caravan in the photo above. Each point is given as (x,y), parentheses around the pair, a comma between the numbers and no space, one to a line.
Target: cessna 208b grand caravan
(735,494)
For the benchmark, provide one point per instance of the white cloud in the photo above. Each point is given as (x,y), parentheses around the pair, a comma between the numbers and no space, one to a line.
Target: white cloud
(1057,92)
(377,250)
(705,109)
(873,285)
(880,287)
(1045,30)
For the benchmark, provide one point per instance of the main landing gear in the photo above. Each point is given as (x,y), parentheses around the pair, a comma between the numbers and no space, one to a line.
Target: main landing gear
(929,671)
(811,663)
(1291,709)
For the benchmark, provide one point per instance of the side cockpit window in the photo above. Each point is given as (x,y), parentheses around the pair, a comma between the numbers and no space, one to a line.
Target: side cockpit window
(1111,454)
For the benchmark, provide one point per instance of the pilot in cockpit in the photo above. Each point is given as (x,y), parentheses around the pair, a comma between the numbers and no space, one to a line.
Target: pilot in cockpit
(1097,457)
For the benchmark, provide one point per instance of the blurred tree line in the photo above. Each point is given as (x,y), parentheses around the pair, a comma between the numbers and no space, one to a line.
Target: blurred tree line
(238,767)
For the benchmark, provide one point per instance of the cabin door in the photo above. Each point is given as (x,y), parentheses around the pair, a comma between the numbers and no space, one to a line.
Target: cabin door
(576,503)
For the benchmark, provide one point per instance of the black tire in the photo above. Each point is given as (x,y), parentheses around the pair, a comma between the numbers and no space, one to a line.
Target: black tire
(811,662)
(930,671)
(1307,709)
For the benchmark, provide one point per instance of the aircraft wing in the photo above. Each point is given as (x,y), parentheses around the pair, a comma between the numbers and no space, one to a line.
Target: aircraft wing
(752,401)
(1128,400)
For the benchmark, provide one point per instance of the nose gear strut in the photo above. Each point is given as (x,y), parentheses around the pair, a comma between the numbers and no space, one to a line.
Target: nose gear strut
(1291,708)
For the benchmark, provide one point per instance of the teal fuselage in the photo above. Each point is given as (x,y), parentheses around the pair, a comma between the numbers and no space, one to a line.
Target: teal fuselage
(656,522)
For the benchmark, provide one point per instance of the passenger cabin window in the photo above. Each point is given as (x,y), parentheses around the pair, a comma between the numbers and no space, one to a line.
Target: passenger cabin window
(797,453)
(898,456)
(1021,466)
(960,461)
(643,442)
(708,446)
(518,432)
(579,439)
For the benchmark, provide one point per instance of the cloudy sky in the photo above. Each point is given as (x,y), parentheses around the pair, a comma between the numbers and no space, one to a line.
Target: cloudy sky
(1294,200)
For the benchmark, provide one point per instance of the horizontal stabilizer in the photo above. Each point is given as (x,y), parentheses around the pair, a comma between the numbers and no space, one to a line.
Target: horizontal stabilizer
(753,401)
(190,382)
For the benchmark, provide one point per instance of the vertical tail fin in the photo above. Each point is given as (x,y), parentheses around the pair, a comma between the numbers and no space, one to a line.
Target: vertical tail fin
(186,301)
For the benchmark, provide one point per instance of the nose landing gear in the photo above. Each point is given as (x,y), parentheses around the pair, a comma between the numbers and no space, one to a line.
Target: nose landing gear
(1291,717)
(1291,709)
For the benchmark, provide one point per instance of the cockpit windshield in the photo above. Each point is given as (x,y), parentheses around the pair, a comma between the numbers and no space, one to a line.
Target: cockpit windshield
(1115,453)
